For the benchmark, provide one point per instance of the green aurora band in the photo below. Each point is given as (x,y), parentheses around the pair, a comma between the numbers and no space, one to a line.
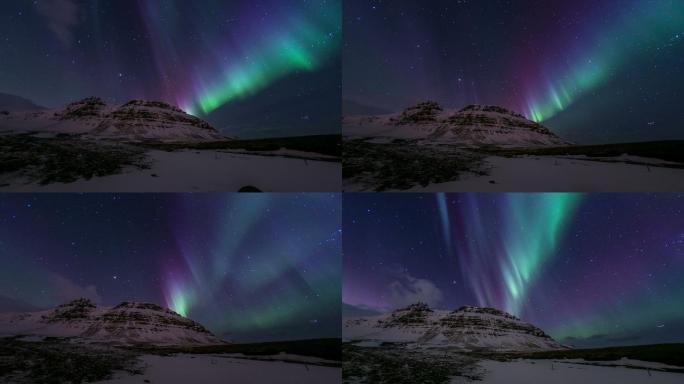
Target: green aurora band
(302,44)
(657,21)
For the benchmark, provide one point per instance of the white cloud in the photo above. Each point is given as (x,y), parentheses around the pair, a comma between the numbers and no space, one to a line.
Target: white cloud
(62,16)
(407,289)
(65,290)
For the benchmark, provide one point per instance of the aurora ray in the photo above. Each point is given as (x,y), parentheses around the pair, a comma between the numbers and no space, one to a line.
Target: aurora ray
(299,45)
(607,52)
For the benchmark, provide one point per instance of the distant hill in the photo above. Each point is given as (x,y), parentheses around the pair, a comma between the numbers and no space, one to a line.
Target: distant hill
(13,103)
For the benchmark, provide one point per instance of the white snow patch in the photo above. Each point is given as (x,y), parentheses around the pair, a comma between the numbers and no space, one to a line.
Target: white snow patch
(205,171)
(561,372)
(210,369)
(532,174)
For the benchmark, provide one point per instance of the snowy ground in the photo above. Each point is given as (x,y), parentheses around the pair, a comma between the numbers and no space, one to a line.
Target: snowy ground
(415,166)
(534,173)
(208,369)
(557,372)
(203,171)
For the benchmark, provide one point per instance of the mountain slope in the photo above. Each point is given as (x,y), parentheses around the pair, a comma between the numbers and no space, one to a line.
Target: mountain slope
(467,328)
(13,103)
(472,126)
(126,324)
(133,121)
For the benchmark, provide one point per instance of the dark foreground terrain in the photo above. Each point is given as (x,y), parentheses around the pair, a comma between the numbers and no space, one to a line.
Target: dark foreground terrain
(671,354)
(670,150)
(64,360)
(400,164)
(330,145)
(324,348)
(402,363)
(66,158)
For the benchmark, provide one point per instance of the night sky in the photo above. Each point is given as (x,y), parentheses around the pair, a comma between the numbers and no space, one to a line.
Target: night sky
(251,68)
(248,267)
(592,71)
(590,270)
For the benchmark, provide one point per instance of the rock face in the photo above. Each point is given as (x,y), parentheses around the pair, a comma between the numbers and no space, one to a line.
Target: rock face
(468,328)
(128,323)
(135,120)
(472,126)
(151,119)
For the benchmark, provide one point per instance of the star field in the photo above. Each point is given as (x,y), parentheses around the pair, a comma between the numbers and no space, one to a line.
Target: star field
(249,268)
(590,270)
(593,72)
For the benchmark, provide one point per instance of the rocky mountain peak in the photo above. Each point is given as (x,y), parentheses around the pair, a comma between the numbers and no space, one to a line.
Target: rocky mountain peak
(85,108)
(140,113)
(78,309)
(421,113)
(484,310)
(469,328)
(153,104)
(414,314)
(136,120)
(492,116)
(130,316)
(126,323)
(490,108)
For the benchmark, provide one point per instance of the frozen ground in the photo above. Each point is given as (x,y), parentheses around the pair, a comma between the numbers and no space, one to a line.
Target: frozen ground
(561,372)
(536,173)
(201,170)
(442,170)
(402,363)
(208,369)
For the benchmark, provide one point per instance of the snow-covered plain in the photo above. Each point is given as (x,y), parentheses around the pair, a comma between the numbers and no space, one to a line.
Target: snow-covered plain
(561,372)
(535,173)
(203,171)
(209,369)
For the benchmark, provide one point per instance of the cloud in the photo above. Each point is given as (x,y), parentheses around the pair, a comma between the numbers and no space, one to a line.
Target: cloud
(407,289)
(65,290)
(62,16)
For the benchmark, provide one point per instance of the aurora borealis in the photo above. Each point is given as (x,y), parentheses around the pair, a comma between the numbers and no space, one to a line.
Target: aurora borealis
(589,269)
(250,68)
(248,267)
(593,72)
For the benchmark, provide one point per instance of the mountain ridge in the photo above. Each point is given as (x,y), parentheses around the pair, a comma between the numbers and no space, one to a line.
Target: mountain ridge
(471,126)
(128,323)
(136,120)
(467,328)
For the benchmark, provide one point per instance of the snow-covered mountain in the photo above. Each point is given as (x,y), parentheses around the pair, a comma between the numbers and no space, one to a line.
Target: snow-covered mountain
(135,120)
(125,324)
(468,328)
(472,126)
